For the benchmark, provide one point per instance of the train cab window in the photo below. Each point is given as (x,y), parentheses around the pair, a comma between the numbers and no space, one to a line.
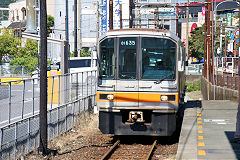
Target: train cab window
(158,59)
(127,58)
(107,59)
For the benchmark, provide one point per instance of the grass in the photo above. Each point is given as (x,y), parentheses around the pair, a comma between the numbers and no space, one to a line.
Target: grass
(193,86)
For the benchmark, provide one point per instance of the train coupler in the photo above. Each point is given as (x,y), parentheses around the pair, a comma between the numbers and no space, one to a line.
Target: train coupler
(136,116)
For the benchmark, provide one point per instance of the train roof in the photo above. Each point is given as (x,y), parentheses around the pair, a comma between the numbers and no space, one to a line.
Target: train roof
(140,31)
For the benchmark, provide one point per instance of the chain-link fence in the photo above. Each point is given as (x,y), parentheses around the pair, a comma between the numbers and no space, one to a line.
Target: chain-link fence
(6,70)
(68,96)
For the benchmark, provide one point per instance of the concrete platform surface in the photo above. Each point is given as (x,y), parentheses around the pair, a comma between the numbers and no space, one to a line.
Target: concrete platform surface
(207,129)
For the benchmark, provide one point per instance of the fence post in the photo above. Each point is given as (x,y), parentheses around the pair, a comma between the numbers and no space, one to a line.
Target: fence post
(23,95)
(33,97)
(15,142)
(9,103)
(1,143)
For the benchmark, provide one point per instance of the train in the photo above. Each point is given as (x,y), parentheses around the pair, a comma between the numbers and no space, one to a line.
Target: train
(141,82)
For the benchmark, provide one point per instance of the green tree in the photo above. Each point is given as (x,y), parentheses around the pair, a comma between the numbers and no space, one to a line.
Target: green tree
(50,23)
(85,53)
(27,56)
(196,43)
(9,44)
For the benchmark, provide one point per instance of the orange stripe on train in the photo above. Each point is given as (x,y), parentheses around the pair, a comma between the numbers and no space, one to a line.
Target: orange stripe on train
(136,97)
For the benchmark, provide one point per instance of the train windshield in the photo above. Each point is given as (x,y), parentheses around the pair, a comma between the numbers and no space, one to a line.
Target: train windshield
(107,59)
(158,58)
(127,58)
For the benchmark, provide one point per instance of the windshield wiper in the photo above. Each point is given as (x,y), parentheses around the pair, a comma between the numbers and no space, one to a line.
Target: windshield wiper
(163,78)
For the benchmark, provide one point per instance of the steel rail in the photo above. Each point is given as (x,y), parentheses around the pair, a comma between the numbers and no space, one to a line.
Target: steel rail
(151,150)
(106,155)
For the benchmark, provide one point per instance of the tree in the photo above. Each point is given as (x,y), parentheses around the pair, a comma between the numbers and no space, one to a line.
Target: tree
(9,44)
(85,53)
(50,23)
(27,56)
(196,43)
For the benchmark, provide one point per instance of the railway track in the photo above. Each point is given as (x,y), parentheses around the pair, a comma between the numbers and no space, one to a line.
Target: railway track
(126,151)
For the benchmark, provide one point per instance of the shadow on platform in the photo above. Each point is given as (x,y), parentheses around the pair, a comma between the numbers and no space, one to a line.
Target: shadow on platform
(235,146)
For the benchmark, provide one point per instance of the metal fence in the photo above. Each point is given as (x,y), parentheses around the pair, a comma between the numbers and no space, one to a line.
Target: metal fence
(226,72)
(68,96)
(194,69)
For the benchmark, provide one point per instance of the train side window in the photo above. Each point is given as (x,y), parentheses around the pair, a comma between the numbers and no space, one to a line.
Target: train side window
(107,59)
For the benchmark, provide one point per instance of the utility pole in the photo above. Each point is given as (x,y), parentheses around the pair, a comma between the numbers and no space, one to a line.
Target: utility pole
(187,28)
(66,43)
(110,14)
(66,22)
(120,10)
(208,45)
(75,29)
(43,79)
(239,56)
(130,14)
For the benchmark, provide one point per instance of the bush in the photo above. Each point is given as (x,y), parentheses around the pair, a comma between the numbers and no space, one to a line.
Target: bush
(193,86)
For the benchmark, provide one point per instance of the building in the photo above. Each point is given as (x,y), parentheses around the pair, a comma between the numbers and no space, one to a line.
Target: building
(87,28)
(25,14)
(159,14)
(226,15)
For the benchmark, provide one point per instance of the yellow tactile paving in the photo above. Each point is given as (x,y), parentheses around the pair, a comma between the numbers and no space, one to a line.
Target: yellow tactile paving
(201,144)
(200,132)
(200,137)
(199,122)
(200,126)
(201,152)
(199,118)
(199,115)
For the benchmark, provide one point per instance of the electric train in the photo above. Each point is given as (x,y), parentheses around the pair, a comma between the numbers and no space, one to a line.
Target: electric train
(141,82)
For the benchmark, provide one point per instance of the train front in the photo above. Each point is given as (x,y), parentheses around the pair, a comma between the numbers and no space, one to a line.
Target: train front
(138,84)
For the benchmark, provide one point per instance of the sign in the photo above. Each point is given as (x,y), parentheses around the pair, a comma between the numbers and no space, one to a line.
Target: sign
(167,11)
(128,43)
(236,33)
(116,14)
(203,10)
(104,17)
(229,22)
(147,11)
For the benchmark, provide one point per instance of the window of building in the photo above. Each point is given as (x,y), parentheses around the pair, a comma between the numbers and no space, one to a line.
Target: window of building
(60,13)
(60,36)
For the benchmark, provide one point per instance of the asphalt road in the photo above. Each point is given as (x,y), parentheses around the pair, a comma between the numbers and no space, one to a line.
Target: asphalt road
(26,107)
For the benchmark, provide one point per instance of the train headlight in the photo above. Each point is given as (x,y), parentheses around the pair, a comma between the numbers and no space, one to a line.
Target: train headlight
(164,98)
(110,97)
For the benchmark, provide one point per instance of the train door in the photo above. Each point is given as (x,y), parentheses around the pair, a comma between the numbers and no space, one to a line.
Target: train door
(127,79)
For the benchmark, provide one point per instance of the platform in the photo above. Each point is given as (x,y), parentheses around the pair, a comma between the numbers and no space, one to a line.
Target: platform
(207,129)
